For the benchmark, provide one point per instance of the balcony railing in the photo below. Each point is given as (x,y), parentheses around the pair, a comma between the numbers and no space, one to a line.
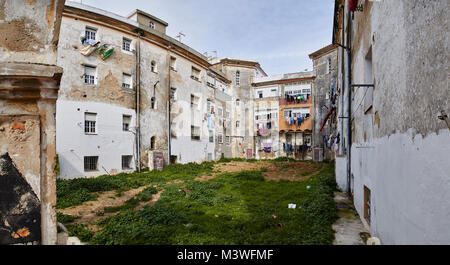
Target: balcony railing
(285,102)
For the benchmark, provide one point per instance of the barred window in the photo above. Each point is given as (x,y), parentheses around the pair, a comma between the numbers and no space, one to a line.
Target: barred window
(126,162)
(238,78)
(126,44)
(90,163)
(90,120)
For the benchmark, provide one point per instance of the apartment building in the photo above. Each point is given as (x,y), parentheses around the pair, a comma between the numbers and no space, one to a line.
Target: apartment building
(242,74)
(133,97)
(325,135)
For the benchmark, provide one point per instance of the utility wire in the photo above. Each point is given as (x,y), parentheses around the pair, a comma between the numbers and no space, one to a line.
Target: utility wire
(360,104)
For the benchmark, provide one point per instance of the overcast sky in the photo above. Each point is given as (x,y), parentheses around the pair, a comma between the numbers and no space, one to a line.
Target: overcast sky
(279,34)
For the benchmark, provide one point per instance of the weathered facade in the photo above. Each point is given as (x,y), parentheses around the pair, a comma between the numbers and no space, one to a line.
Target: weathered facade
(394,103)
(29,83)
(283,115)
(242,74)
(324,116)
(145,105)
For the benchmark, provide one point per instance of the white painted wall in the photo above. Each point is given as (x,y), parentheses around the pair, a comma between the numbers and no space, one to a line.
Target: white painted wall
(111,142)
(414,175)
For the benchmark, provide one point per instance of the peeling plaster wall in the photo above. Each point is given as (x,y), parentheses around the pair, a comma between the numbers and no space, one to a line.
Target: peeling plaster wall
(183,116)
(243,137)
(322,84)
(108,94)
(399,149)
(29,33)
(24,40)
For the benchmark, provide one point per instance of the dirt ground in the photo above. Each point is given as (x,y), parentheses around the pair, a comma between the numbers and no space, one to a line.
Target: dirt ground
(92,211)
(275,171)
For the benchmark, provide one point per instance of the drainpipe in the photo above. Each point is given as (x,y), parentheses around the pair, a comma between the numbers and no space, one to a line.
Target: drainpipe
(349,99)
(138,103)
(169,142)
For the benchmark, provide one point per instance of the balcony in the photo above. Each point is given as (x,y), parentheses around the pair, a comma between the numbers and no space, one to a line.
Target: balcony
(285,102)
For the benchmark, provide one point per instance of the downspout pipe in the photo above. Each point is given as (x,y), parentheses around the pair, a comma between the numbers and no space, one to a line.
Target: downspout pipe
(169,142)
(138,103)
(349,102)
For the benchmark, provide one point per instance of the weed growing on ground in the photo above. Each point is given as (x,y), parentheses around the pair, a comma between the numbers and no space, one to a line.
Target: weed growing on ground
(233,208)
(76,191)
(81,231)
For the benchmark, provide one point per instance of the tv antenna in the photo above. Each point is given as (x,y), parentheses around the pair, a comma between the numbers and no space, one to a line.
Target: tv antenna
(180,35)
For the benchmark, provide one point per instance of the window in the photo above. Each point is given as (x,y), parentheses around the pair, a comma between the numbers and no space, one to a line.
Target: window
(173,61)
(126,45)
(90,120)
(211,137)
(260,94)
(126,162)
(90,33)
(220,112)
(228,140)
(237,102)
(228,114)
(152,143)
(195,133)
(220,138)
(194,101)
(126,81)
(89,75)
(90,163)
(173,93)
(126,121)
(153,67)
(238,78)
(368,78)
(237,124)
(153,103)
(328,65)
(367,204)
(195,74)
(152,25)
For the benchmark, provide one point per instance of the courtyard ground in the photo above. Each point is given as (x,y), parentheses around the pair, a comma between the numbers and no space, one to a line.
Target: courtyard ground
(235,202)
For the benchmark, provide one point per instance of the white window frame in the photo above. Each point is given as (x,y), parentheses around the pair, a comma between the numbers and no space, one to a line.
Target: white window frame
(126,122)
(90,123)
(89,79)
(126,44)
(126,85)
(220,138)
(90,33)
(90,163)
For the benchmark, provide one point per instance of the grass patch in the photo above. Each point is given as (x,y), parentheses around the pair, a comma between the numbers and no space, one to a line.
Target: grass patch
(130,204)
(76,191)
(65,218)
(81,231)
(232,209)
(146,195)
